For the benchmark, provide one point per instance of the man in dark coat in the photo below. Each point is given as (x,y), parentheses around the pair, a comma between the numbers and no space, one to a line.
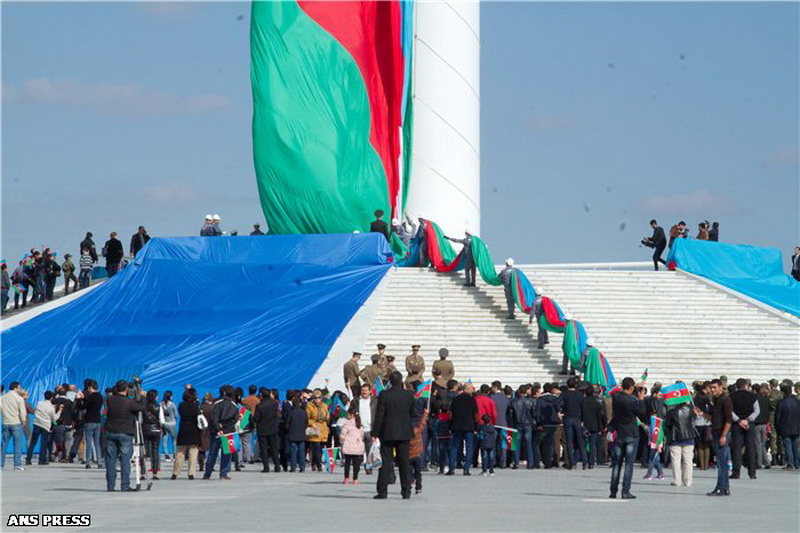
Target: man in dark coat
(796,264)
(463,424)
(88,243)
(138,240)
(469,267)
(393,427)
(505,276)
(113,252)
(378,225)
(658,241)
(267,420)
(627,408)
(787,424)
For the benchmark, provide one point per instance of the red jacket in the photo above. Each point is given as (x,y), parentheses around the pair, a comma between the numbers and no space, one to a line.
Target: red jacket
(486,407)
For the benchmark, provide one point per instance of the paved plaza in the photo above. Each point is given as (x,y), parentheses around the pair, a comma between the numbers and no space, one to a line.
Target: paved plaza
(556,500)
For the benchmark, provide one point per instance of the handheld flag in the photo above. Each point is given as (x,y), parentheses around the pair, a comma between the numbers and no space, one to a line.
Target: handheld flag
(656,431)
(244,418)
(378,389)
(644,375)
(676,394)
(230,443)
(338,409)
(509,438)
(330,456)
(424,390)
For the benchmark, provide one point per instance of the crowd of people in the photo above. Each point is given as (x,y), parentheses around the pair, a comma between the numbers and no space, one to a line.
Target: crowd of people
(658,241)
(454,428)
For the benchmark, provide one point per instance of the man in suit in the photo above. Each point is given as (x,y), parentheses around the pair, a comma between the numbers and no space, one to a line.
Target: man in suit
(392,425)
(796,264)
(378,225)
(658,241)
(351,374)
(469,268)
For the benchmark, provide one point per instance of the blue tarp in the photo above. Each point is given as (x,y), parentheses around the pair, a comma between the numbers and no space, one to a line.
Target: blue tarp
(207,311)
(753,271)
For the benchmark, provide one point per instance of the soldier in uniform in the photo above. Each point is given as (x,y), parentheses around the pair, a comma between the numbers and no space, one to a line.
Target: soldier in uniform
(371,373)
(775,444)
(415,359)
(542,336)
(438,381)
(505,276)
(351,374)
(444,367)
(414,375)
(469,268)
(389,366)
(382,362)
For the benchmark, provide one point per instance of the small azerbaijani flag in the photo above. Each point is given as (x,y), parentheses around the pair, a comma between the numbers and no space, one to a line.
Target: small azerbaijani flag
(644,375)
(424,390)
(656,431)
(230,443)
(676,394)
(378,388)
(509,438)
(337,408)
(615,390)
(244,418)
(18,288)
(330,455)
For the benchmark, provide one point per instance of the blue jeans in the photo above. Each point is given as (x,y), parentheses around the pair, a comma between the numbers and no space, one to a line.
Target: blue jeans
(526,439)
(594,443)
(171,436)
(460,437)
(573,433)
(3,300)
(655,462)
(297,455)
(624,450)
(723,454)
(91,434)
(85,278)
(487,459)
(43,444)
(12,432)
(211,458)
(118,446)
(792,446)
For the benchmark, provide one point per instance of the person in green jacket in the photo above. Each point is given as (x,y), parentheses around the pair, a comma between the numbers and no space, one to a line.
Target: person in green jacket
(69,274)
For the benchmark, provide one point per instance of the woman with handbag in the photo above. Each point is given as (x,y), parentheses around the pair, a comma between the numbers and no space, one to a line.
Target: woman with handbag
(207,410)
(296,427)
(188,433)
(317,431)
(152,419)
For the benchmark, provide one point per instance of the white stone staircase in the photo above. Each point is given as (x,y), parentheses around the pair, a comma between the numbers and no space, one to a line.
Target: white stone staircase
(678,327)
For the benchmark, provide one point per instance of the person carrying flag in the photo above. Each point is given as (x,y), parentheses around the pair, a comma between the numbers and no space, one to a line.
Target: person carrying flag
(469,268)
(505,276)
(223,422)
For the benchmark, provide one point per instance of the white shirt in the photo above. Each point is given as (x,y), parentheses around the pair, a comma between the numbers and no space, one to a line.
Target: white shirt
(365,413)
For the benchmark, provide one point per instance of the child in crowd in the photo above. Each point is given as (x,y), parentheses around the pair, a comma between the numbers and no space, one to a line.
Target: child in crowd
(443,436)
(85,276)
(352,437)
(415,451)
(655,459)
(488,444)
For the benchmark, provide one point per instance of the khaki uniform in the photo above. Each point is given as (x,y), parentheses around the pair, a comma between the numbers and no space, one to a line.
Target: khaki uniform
(371,373)
(389,369)
(382,363)
(351,374)
(415,374)
(415,360)
(775,444)
(444,367)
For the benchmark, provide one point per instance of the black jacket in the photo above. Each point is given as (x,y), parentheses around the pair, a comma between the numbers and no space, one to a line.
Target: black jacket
(89,243)
(572,404)
(463,410)
(188,432)
(122,414)
(138,243)
(594,414)
(787,417)
(113,251)
(627,408)
(266,418)
(522,410)
(379,226)
(151,427)
(763,414)
(296,422)
(93,403)
(659,239)
(679,424)
(393,415)
(226,414)
(547,408)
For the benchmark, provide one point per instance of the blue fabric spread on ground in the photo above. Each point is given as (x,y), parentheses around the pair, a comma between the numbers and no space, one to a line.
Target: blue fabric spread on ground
(205,311)
(753,271)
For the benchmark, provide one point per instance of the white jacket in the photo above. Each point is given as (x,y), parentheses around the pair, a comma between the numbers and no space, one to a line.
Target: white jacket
(14,411)
(45,415)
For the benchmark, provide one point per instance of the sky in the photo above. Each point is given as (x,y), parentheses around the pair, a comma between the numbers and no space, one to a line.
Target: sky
(595,118)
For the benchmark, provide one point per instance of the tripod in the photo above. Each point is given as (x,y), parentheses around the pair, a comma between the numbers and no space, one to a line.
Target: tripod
(138,467)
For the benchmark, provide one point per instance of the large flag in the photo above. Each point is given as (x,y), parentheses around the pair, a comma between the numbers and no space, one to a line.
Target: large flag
(330,456)
(244,418)
(656,431)
(509,438)
(378,388)
(338,409)
(424,390)
(230,443)
(676,394)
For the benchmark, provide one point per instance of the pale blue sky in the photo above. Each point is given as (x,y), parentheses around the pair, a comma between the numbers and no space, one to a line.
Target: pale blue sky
(593,116)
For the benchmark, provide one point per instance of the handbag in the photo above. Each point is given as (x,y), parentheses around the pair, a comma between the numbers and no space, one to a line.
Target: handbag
(312,431)
(374,460)
(202,423)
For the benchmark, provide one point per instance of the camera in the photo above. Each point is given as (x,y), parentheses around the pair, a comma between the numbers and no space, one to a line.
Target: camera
(647,242)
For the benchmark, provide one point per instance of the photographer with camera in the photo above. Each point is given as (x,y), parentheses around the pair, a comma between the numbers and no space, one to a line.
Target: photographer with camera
(120,429)
(658,241)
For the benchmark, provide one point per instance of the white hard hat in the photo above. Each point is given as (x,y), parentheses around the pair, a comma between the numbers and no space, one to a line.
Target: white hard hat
(216,217)
(510,262)
(209,217)
(395,222)
(589,341)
